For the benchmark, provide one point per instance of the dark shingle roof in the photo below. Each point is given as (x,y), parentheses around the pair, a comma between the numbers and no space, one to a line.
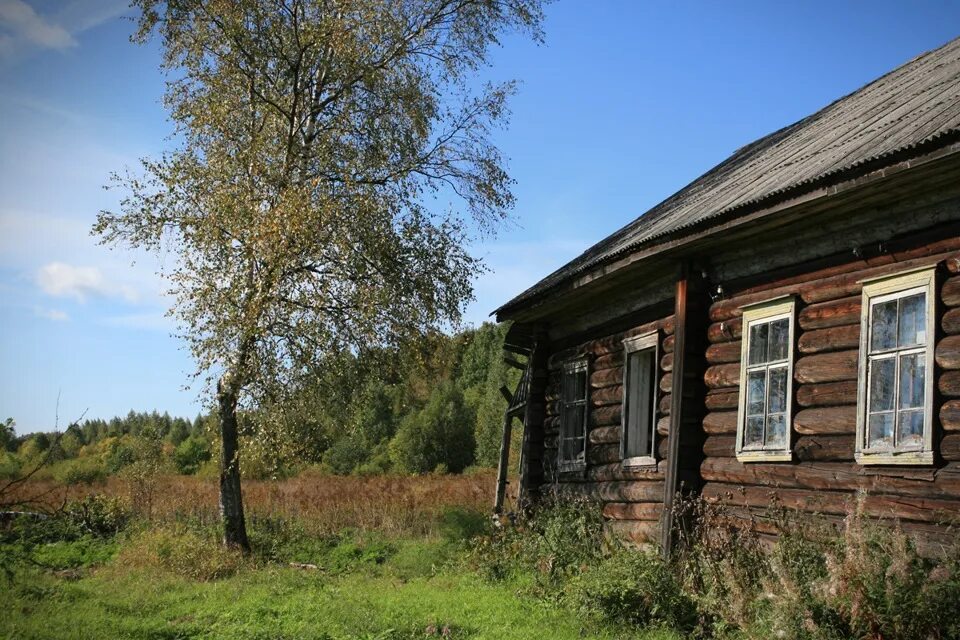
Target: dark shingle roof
(913,105)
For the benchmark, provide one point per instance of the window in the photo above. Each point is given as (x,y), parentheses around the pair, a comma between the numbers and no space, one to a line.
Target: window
(895,399)
(573,416)
(766,382)
(638,426)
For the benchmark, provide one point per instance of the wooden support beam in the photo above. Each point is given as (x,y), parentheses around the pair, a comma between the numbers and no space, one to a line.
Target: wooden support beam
(676,410)
(503,464)
(506,394)
(510,362)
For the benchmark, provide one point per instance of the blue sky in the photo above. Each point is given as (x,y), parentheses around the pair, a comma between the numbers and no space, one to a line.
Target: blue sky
(624,104)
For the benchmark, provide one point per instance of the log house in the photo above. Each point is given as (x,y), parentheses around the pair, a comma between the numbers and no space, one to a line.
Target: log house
(785,328)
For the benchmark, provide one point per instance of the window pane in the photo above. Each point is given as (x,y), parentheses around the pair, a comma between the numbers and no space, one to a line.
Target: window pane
(910,429)
(881,431)
(911,381)
(580,386)
(779,340)
(913,320)
(753,434)
(758,343)
(573,421)
(884,324)
(776,431)
(777,391)
(755,391)
(882,384)
(639,419)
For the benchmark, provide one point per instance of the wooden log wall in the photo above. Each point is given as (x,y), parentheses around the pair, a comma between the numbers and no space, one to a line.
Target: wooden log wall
(824,476)
(631,498)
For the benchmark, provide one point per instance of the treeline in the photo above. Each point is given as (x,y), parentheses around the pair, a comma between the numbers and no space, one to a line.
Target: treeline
(433,406)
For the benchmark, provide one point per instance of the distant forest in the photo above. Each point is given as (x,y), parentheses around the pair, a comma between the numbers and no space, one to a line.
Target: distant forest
(430,407)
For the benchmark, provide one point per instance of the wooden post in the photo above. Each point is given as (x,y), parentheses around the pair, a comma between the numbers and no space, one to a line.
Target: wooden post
(676,410)
(503,464)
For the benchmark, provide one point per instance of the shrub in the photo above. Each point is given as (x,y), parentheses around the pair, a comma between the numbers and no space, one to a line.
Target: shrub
(180,550)
(441,433)
(85,470)
(98,515)
(633,587)
(346,454)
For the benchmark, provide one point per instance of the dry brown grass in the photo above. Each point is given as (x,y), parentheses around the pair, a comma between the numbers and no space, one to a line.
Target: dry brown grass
(401,505)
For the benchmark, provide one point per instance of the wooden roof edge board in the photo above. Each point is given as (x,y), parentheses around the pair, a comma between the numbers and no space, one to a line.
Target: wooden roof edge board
(906,112)
(867,175)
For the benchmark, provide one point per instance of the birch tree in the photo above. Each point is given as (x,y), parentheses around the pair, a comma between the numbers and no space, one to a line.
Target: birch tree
(297,203)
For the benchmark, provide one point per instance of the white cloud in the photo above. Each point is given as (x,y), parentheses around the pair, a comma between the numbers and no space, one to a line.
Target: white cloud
(23,25)
(51,314)
(67,281)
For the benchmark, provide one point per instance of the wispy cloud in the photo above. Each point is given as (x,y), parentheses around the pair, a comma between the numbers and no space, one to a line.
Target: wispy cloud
(21,25)
(23,30)
(80,283)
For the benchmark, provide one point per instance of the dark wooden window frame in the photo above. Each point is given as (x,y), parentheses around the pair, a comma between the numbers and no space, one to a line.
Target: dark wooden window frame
(646,342)
(579,463)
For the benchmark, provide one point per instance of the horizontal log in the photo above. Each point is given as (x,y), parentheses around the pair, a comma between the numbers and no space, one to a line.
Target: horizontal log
(606,377)
(722,399)
(950,322)
(829,339)
(950,292)
(826,420)
(725,331)
(829,476)
(949,384)
(606,416)
(604,435)
(830,314)
(826,367)
(664,404)
(663,426)
(648,511)
(668,343)
(827,394)
(952,264)
(666,362)
(615,471)
(720,376)
(606,395)
(723,352)
(720,446)
(912,508)
(618,491)
(829,448)
(948,352)
(608,361)
(551,424)
(603,453)
(637,532)
(720,422)
(950,447)
(950,415)
(666,382)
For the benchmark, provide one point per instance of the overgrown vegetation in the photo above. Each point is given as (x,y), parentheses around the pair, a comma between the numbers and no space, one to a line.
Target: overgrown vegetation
(413,557)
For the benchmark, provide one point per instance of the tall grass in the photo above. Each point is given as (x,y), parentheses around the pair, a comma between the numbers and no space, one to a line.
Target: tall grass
(324,504)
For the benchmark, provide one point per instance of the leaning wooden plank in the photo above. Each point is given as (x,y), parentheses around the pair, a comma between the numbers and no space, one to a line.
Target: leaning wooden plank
(826,367)
(829,339)
(824,420)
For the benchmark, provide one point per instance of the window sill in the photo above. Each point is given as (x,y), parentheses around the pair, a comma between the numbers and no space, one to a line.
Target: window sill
(640,463)
(571,467)
(765,456)
(910,457)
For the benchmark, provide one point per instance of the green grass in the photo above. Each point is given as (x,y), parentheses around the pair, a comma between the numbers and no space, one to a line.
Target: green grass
(367,589)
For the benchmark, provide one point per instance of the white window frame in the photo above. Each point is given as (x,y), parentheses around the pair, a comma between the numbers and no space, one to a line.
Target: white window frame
(783,307)
(648,341)
(572,367)
(884,289)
